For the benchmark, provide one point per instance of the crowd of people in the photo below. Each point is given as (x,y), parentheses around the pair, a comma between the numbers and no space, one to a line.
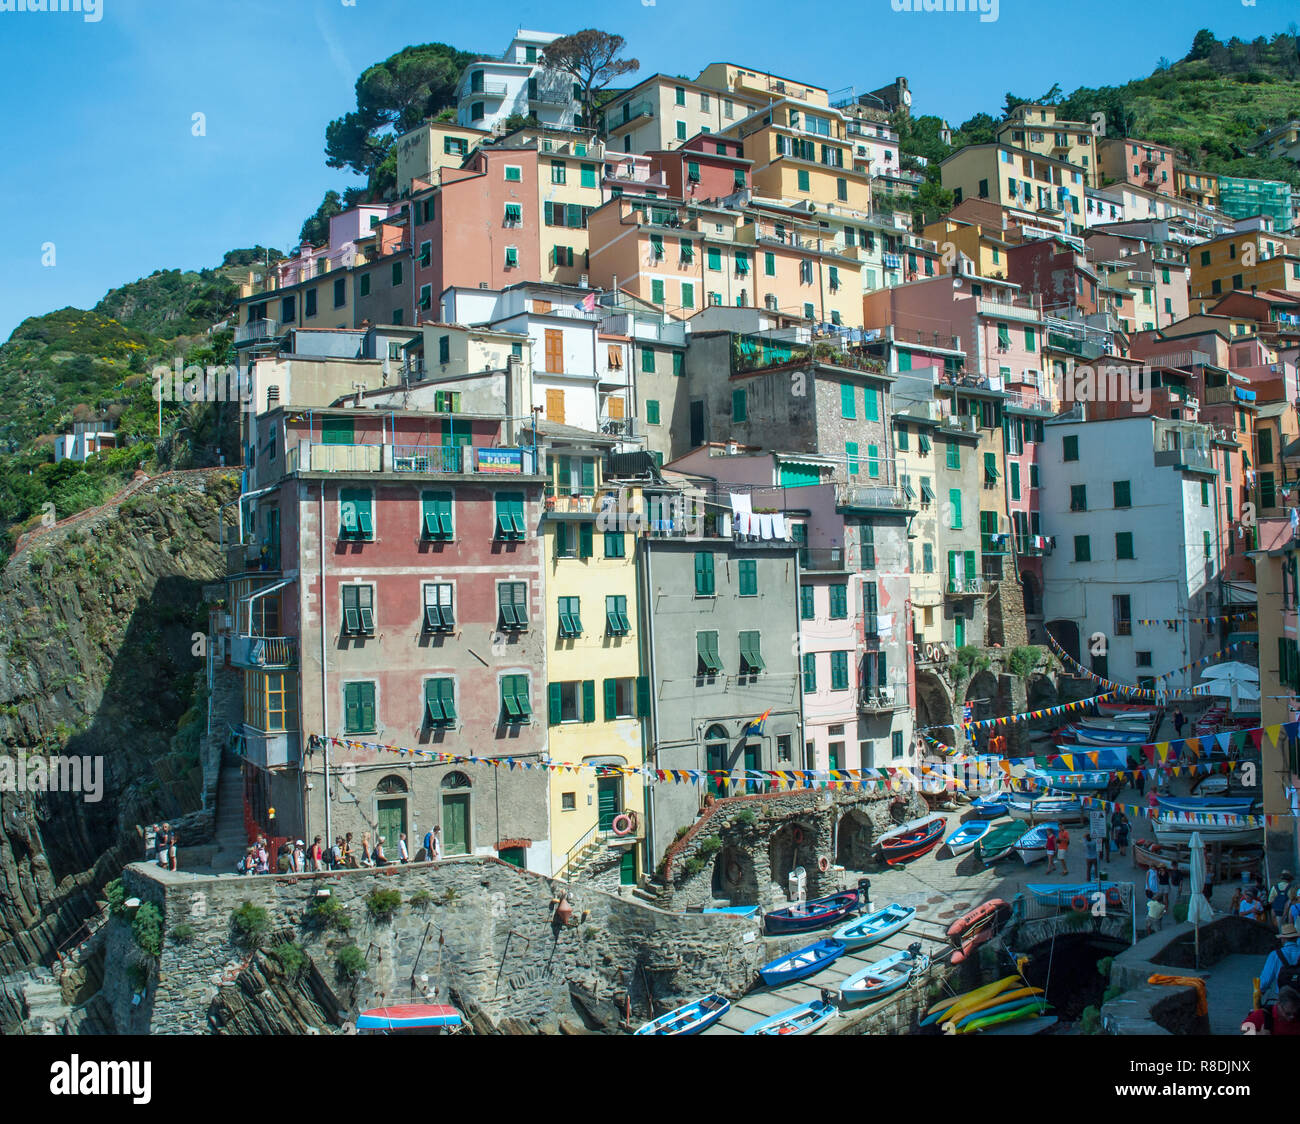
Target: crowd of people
(296,857)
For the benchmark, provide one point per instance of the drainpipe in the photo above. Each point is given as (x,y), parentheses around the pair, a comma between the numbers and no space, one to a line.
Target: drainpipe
(647,743)
(324,675)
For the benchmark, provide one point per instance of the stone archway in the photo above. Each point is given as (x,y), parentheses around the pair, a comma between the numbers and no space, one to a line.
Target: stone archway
(982,693)
(854,840)
(1030,594)
(734,876)
(785,851)
(1040,692)
(934,704)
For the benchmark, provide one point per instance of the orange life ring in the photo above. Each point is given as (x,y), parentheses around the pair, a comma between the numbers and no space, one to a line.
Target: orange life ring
(1079,903)
(796,833)
(1114,899)
(823,864)
(622,824)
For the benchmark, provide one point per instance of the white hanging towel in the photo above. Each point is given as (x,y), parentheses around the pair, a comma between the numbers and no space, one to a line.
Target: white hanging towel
(742,509)
(765,526)
(779,527)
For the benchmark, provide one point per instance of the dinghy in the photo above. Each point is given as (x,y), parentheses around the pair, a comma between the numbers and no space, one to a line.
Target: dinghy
(803,917)
(966,836)
(1231,805)
(1179,832)
(884,977)
(803,1019)
(801,963)
(690,1018)
(874,927)
(429,1018)
(912,839)
(991,806)
(1032,846)
(999,843)
(1040,809)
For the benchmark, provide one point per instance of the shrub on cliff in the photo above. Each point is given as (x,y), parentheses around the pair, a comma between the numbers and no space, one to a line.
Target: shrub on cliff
(382,904)
(147,929)
(115,895)
(291,959)
(350,962)
(251,923)
(327,913)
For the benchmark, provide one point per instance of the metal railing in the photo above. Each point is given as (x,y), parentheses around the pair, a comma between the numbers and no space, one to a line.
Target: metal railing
(264,651)
(638,109)
(259,330)
(312,456)
(576,850)
(963,586)
(1010,311)
(870,495)
(824,558)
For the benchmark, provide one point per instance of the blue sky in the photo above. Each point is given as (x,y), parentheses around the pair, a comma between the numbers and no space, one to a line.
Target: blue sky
(96,126)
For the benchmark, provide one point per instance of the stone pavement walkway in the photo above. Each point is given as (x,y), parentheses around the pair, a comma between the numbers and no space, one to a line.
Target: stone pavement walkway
(1228,988)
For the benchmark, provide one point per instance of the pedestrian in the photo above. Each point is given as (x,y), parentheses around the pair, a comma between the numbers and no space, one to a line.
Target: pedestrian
(1175,884)
(1180,720)
(299,857)
(336,854)
(378,858)
(1155,913)
(1162,884)
(1063,848)
(1279,901)
(403,855)
(366,859)
(171,848)
(162,842)
(1153,882)
(1282,965)
(1251,906)
(1121,833)
(263,858)
(1282,1017)
(349,851)
(1234,905)
(1153,804)
(437,843)
(317,855)
(1090,857)
(428,846)
(284,862)
(1140,780)
(1050,845)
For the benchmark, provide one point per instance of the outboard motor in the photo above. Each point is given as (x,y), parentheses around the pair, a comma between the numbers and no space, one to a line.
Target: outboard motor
(864,893)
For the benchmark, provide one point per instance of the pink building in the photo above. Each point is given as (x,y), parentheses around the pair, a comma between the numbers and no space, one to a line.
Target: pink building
(706,167)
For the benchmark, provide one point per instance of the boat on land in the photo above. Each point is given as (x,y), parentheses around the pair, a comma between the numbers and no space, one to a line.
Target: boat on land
(1179,832)
(980,1020)
(1000,842)
(874,927)
(966,836)
(803,917)
(1223,805)
(734,910)
(801,963)
(416,1018)
(912,839)
(1052,894)
(1137,711)
(1032,846)
(1167,854)
(803,1019)
(990,806)
(1052,806)
(884,977)
(956,1006)
(1108,736)
(1093,780)
(690,1018)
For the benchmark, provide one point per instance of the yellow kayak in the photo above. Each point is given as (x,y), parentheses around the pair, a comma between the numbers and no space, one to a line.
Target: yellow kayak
(1019,994)
(948,1007)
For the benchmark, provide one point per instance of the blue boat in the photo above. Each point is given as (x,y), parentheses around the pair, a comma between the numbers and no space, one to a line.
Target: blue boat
(690,1018)
(1053,894)
(884,977)
(966,836)
(1032,846)
(801,963)
(874,927)
(990,806)
(415,1017)
(1049,806)
(803,917)
(734,910)
(1096,735)
(1231,805)
(803,1019)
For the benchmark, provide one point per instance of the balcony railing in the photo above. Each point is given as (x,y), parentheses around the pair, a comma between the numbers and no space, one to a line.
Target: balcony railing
(264,651)
(637,110)
(1007,310)
(485,90)
(879,700)
(832,559)
(311,456)
(584,505)
(966,587)
(259,330)
(870,495)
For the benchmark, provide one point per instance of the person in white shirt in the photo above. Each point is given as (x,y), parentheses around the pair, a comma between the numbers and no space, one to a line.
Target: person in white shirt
(403,854)
(437,844)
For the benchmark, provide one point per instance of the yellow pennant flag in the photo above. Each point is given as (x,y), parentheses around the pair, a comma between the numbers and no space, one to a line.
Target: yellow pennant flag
(1273,732)
(1068,758)
(1163,750)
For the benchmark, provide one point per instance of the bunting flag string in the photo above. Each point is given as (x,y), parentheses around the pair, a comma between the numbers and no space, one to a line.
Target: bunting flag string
(1208,659)
(1222,819)
(1243,614)
(1146,694)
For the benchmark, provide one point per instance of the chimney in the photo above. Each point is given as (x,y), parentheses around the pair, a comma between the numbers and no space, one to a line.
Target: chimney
(272,397)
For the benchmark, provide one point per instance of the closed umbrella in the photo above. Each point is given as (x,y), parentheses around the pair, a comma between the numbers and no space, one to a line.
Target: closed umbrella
(1198,909)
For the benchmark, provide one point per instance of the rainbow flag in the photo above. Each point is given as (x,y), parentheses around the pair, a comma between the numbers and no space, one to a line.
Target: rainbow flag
(756,726)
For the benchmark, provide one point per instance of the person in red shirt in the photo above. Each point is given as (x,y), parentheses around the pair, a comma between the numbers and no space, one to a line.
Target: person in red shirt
(1282,1017)
(1063,848)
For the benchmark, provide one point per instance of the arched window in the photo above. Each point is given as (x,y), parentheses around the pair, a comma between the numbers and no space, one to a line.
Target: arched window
(455,780)
(391,786)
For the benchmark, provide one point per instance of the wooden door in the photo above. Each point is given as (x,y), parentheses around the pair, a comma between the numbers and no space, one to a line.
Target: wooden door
(512,855)
(392,823)
(627,868)
(608,801)
(455,824)
(753,761)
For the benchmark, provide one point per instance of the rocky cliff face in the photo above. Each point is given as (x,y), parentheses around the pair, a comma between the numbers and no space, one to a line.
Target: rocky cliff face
(98,659)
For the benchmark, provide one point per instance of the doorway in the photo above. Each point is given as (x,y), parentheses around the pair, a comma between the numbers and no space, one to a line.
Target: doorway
(392,824)
(608,800)
(513,855)
(455,823)
(627,868)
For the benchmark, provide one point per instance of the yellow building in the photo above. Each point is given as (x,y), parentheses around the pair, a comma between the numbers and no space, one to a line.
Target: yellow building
(801,153)
(1252,259)
(1015,177)
(1201,188)
(597,695)
(662,112)
(569,170)
(433,145)
(985,247)
(1036,128)
(759,85)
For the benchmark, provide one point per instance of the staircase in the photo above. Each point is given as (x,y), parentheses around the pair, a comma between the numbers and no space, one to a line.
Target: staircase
(230,836)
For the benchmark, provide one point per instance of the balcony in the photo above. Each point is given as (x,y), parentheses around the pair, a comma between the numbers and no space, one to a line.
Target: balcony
(967,587)
(871,497)
(550,97)
(824,559)
(1034,546)
(632,115)
(264,651)
(311,456)
(937,652)
(570,505)
(880,701)
(248,558)
(271,750)
(1007,311)
(260,331)
(485,90)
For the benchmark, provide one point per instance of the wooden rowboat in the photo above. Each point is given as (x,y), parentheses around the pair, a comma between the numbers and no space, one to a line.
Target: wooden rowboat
(690,1018)
(414,1017)
(803,917)
(803,1019)
(912,839)
(884,977)
(874,927)
(1032,846)
(999,843)
(801,963)
(966,836)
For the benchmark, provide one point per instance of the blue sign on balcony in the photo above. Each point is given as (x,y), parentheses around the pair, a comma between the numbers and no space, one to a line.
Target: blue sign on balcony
(501,460)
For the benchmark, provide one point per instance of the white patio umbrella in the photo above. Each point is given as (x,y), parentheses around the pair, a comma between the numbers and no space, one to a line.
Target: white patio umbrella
(1233,669)
(1198,909)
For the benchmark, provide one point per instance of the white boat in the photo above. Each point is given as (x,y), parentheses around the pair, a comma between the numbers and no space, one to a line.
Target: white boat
(1178,832)
(1032,846)
(966,836)
(1043,808)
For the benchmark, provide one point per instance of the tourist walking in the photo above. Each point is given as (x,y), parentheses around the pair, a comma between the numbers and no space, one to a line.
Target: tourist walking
(1050,846)
(1120,828)
(1140,780)
(1251,906)
(1282,965)
(366,857)
(1153,882)
(1063,848)
(317,855)
(437,844)
(1090,857)
(403,855)
(162,842)
(1175,884)
(349,851)
(1155,913)
(1180,720)
(378,858)
(1278,899)
(1162,884)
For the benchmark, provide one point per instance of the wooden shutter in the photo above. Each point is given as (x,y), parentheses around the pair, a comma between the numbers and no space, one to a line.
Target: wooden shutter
(554,352)
(553,704)
(585,535)
(611,699)
(554,402)
(589,700)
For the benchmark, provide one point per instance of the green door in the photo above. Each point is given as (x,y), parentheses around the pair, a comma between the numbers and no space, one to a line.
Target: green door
(455,824)
(627,868)
(959,632)
(392,823)
(607,801)
(512,855)
(715,761)
(753,760)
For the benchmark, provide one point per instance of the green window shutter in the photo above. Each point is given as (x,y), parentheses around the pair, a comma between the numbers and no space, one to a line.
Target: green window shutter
(851,456)
(614,544)
(990,468)
(337,431)
(954,455)
(739,407)
(643,696)
(803,179)
(809,673)
(588,470)
(1015,480)
(953,555)
(870,404)
(589,700)
(839,671)
(807,603)
(1205,493)
(585,535)
(679,363)
(868,546)
(715,259)
(657,291)
(954,500)
(882,669)
(873,461)
(1082,549)
(688,297)
(703,573)
(554,706)
(848,408)
(769,264)
(611,699)
(647,361)
(747,570)
(1124,544)
(561,540)
(969,557)
(1070,448)
(652,412)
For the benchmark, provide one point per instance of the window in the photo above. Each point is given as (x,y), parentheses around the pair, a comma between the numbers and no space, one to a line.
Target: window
(681,130)
(1123,496)
(739,413)
(621,698)
(927,558)
(1082,549)
(868,531)
(706,650)
(769,264)
(355,519)
(365,284)
(309,303)
(657,291)
(954,502)
(615,546)
(751,658)
(679,363)
(809,673)
(515,707)
(927,493)
(783,753)
(923,443)
(514,214)
(1015,479)
(440,701)
(851,457)
(842,189)
(426,297)
(558,174)
(688,295)
(839,595)
(1078,497)
(358,610)
(1123,544)
(359,708)
(803,180)
(848,407)
(512,257)
(1070,448)
(679,95)
(1205,493)
(747,577)
(1121,607)
(742,263)
(896,744)
(514,173)
(587,175)
(870,407)
(512,605)
(510,515)
(1205,535)
(839,671)
(439,615)
(693,171)
(288,308)
(953,455)
(807,603)
(340,293)
(714,258)
(616,619)
(647,361)
(704,584)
